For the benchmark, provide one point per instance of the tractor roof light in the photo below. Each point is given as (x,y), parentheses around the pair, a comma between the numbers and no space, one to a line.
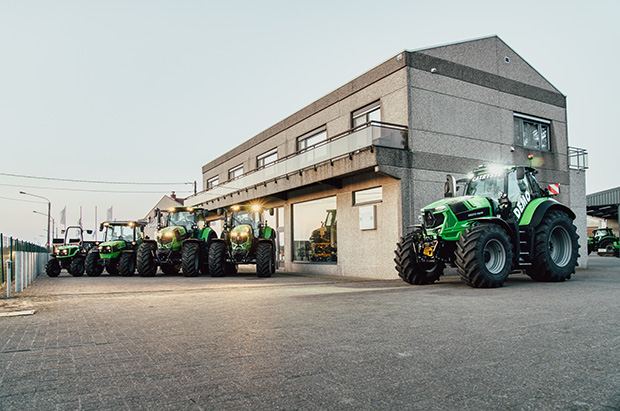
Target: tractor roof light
(236,208)
(131,224)
(255,208)
(190,209)
(171,210)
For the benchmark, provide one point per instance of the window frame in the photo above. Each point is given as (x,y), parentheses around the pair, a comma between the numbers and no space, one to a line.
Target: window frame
(266,155)
(365,112)
(309,135)
(210,181)
(541,123)
(234,170)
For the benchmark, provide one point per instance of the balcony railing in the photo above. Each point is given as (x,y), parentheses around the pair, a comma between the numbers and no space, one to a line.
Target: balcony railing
(577,158)
(370,134)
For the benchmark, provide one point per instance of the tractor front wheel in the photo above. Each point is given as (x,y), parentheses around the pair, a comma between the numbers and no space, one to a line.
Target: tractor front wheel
(127,264)
(52,267)
(555,249)
(217,259)
(484,256)
(409,268)
(264,259)
(76,268)
(145,261)
(190,259)
(93,267)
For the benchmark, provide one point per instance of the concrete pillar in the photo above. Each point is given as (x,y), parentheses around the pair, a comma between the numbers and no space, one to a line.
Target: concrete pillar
(578,203)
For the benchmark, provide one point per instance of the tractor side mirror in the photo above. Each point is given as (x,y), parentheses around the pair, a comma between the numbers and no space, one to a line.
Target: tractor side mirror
(271,211)
(89,231)
(220,211)
(449,186)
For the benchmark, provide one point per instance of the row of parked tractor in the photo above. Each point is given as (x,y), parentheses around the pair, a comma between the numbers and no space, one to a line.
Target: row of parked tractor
(184,244)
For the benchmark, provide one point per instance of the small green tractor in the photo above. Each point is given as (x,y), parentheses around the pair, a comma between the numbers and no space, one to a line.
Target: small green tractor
(246,239)
(117,252)
(69,252)
(504,222)
(603,241)
(183,241)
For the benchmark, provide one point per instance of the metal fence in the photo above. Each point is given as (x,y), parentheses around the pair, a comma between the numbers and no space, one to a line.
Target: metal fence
(22,262)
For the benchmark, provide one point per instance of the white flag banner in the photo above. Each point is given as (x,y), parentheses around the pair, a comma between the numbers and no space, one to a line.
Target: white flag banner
(110,212)
(63,216)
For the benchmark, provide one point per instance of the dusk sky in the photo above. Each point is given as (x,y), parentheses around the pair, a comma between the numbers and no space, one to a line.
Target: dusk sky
(147,92)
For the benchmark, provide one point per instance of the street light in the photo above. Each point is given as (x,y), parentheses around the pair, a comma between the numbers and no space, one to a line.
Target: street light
(49,212)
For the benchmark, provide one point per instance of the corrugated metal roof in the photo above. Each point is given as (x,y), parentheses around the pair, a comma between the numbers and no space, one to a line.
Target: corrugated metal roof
(604,204)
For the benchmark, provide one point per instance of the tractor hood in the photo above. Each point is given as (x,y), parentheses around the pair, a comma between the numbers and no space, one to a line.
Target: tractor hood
(459,204)
(67,251)
(111,247)
(171,236)
(241,240)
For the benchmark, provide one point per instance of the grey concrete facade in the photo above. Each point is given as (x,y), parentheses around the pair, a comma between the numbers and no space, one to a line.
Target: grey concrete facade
(457,103)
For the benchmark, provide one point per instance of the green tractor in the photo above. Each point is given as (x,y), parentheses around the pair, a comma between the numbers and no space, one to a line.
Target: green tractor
(246,239)
(69,252)
(603,241)
(504,222)
(183,242)
(117,252)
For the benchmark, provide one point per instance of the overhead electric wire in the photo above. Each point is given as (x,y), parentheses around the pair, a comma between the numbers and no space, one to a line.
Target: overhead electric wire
(90,181)
(91,191)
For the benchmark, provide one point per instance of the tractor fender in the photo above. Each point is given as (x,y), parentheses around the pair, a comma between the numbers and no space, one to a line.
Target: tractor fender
(534,217)
(498,221)
(268,233)
(207,234)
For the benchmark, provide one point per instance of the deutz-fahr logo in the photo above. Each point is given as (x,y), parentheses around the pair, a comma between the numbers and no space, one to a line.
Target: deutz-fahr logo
(524,200)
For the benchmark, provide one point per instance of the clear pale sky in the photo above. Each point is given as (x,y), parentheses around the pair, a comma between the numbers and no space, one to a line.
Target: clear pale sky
(149,91)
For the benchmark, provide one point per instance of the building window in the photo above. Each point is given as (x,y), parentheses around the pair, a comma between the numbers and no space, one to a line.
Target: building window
(267,158)
(235,172)
(315,231)
(371,195)
(532,132)
(311,138)
(212,182)
(371,112)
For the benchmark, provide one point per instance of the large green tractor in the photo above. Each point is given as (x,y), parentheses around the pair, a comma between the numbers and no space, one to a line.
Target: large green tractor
(183,242)
(603,241)
(117,252)
(246,239)
(69,252)
(504,222)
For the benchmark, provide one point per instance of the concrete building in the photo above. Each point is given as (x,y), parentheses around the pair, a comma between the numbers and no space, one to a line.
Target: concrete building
(370,154)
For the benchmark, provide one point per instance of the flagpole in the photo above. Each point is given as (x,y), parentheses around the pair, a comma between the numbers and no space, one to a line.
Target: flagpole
(96,223)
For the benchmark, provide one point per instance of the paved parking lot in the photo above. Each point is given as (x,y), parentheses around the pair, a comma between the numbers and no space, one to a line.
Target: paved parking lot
(302,342)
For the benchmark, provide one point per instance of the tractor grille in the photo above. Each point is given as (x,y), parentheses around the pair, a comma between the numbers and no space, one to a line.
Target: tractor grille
(433,220)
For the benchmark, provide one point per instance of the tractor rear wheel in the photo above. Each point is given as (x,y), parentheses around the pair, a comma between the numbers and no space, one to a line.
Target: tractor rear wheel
(76,268)
(145,261)
(217,259)
(607,245)
(264,259)
(190,259)
(93,266)
(484,256)
(127,264)
(52,267)
(409,268)
(555,249)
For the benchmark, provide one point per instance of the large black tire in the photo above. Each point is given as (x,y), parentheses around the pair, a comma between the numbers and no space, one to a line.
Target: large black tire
(127,264)
(145,262)
(217,259)
(111,265)
(264,259)
(484,256)
(409,268)
(93,266)
(190,259)
(76,268)
(52,267)
(608,245)
(556,249)
(204,252)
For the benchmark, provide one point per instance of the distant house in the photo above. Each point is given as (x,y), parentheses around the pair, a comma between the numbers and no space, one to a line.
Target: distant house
(163,204)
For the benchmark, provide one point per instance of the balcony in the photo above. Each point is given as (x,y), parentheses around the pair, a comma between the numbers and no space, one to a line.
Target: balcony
(577,158)
(364,136)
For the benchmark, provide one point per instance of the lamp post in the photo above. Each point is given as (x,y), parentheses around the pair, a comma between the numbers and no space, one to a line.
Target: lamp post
(49,213)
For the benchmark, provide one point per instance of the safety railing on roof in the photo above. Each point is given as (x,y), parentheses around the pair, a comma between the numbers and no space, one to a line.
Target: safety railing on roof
(369,134)
(577,158)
